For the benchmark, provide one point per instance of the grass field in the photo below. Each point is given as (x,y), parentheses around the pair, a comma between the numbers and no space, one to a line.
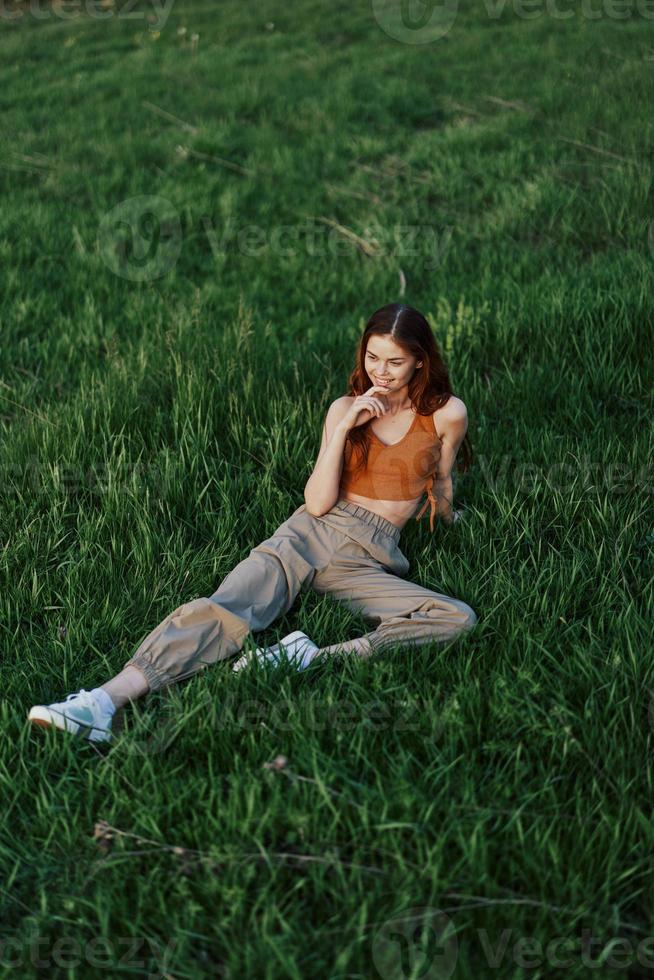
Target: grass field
(198,216)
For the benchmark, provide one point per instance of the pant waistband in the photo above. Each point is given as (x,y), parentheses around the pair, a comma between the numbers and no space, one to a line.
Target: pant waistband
(369,517)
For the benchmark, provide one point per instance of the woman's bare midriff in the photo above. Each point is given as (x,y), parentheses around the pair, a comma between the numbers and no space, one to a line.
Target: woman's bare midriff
(397,512)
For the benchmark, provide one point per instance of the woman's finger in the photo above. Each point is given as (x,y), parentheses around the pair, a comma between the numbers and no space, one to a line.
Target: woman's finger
(379,404)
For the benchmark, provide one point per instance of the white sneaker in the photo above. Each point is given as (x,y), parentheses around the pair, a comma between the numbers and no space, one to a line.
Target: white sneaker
(79,714)
(296,648)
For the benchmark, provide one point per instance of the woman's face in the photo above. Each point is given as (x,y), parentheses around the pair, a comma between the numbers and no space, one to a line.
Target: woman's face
(385,361)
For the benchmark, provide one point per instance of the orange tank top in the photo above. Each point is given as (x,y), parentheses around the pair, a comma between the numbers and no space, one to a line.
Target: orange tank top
(402,471)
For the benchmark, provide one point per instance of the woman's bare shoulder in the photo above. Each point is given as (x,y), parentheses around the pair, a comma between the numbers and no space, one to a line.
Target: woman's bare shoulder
(341,403)
(338,409)
(452,413)
(455,407)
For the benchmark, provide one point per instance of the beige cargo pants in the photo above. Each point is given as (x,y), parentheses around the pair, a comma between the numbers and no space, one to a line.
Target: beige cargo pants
(349,553)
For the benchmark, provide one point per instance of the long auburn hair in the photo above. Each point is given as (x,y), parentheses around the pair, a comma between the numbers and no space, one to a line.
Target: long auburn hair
(429,388)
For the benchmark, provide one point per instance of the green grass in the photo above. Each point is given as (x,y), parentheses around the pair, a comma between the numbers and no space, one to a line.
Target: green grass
(154,431)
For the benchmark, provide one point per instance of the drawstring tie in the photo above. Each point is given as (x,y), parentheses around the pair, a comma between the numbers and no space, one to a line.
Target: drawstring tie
(430,500)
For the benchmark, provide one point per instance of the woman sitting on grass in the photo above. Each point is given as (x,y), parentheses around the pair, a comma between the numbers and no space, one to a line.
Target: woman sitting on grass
(342,541)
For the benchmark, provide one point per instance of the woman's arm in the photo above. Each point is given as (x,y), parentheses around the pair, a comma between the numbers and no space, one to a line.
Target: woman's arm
(443,491)
(321,490)
(453,425)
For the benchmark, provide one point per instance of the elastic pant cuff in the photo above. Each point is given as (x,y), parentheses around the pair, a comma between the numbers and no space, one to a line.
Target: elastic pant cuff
(155,679)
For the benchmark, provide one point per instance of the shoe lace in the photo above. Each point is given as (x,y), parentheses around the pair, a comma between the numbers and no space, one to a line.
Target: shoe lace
(77,694)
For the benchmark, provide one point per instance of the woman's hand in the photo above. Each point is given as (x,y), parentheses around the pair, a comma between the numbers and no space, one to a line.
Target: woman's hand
(365,407)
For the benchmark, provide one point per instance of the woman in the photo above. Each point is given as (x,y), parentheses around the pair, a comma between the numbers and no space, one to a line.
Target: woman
(343,541)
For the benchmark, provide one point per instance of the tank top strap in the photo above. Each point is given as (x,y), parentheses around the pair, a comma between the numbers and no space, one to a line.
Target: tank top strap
(427,423)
